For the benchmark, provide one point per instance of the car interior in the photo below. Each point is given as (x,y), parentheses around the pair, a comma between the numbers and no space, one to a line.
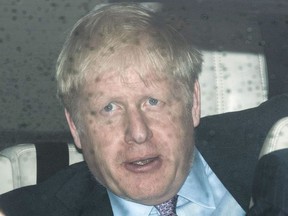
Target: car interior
(239,74)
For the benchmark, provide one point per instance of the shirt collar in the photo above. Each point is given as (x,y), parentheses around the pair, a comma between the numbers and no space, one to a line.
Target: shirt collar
(196,189)
(121,206)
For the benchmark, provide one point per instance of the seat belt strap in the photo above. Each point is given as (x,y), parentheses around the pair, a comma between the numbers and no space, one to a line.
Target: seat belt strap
(51,157)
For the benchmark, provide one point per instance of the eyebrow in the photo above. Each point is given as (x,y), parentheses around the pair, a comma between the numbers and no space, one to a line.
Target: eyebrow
(92,95)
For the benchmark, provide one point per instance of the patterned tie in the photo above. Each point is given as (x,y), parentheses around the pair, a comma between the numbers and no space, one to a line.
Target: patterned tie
(168,208)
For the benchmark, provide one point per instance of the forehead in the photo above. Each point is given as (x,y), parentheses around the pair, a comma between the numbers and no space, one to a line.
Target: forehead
(131,77)
(143,54)
(125,62)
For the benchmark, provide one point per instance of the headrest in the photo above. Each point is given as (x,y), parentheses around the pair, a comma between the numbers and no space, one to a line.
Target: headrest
(232,81)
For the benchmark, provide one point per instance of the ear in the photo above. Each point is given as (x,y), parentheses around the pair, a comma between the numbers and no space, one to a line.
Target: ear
(196,104)
(73,129)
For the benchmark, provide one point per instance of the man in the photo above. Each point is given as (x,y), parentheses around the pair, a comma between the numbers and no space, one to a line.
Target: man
(129,86)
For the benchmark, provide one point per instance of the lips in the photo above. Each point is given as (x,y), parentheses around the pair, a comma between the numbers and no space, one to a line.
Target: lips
(144,164)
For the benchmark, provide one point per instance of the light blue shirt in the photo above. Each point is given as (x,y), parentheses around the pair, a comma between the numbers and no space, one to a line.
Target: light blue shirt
(202,194)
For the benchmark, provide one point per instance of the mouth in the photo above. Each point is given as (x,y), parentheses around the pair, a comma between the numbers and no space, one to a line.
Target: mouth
(143,162)
(144,165)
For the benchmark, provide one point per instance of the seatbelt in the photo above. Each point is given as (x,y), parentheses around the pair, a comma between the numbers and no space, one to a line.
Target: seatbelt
(51,157)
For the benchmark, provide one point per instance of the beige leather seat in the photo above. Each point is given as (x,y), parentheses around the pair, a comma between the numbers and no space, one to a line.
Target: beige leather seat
(277,137)
(18,165)
(232,81)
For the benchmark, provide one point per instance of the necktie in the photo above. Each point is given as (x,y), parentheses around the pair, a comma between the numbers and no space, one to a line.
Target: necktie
(168,208)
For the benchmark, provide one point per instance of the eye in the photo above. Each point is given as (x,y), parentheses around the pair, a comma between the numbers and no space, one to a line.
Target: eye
(153,101)
(153,104)
(110,107)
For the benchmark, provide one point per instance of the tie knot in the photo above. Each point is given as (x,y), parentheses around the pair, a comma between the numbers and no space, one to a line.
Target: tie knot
(168,208)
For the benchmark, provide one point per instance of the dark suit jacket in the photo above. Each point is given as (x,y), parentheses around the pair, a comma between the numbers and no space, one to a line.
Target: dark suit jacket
(230,143)
(270,185)
(72,192)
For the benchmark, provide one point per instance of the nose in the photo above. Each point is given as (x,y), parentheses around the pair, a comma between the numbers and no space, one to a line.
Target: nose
(137,129)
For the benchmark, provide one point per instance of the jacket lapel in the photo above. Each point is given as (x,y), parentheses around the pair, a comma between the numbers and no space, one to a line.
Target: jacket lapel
(97,204)
(84,196)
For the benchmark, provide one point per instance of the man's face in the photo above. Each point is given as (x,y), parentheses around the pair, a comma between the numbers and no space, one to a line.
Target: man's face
(138,137)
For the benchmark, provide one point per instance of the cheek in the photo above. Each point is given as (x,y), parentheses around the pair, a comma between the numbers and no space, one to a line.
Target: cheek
(178,124)
(182,133)
(102,137)
(173,129)
(101,153)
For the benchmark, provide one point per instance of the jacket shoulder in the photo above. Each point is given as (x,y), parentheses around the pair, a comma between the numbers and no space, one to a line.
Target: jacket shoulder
(67,187)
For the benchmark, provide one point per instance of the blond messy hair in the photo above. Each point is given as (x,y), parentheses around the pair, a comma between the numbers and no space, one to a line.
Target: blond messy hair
(111,29)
